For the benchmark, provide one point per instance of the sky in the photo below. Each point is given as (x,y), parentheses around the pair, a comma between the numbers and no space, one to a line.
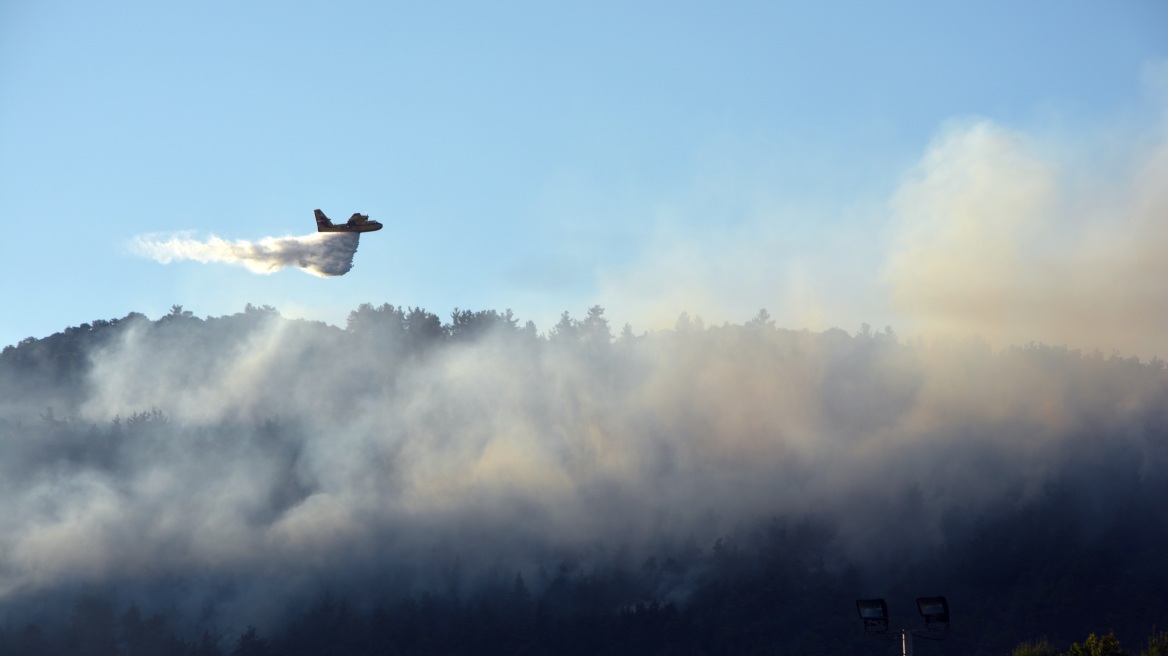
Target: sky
(988,168)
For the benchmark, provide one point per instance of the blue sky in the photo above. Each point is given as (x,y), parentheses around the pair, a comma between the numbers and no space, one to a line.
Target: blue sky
(653,158)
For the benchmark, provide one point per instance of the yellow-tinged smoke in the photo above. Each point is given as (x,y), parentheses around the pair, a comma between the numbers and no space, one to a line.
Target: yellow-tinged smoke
(1016,236)
(997,236)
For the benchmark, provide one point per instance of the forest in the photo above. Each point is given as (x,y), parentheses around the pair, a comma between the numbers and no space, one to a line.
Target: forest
(253,484)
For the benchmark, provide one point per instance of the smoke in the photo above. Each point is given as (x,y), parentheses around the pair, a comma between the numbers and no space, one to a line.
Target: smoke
(239,462)
(1008,236)
(321,254)
(1013,235)
(256,459)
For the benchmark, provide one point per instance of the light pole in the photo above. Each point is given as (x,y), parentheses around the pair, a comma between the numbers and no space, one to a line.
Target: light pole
(874,613)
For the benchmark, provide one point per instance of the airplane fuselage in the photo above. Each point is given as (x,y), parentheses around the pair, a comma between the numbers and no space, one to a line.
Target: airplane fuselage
(369,226)
(356,223)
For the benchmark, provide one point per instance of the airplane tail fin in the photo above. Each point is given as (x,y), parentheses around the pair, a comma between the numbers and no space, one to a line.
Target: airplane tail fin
(322,220)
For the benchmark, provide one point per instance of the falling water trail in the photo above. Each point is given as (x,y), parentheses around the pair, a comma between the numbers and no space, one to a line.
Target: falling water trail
(321,254)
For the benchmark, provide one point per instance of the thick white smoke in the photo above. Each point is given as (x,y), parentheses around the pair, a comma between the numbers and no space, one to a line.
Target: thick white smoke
(321,254)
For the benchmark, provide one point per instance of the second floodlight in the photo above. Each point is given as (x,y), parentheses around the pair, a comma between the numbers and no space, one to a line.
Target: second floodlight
(935,610)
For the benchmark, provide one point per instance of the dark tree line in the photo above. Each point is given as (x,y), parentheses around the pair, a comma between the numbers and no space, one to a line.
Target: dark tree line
(767,594)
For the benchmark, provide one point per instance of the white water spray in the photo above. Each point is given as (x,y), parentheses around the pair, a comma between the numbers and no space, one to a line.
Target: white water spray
(321,254)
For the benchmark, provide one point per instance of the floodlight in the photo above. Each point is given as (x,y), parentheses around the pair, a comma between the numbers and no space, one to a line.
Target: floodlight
(935,610)
(874,612)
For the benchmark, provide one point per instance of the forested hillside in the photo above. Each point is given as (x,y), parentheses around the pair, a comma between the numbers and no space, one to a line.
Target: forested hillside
(252,484)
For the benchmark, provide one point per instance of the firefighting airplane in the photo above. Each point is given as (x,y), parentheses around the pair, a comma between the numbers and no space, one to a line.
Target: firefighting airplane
(356,223)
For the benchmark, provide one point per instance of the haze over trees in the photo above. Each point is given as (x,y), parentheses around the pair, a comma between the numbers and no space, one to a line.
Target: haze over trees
(251,484)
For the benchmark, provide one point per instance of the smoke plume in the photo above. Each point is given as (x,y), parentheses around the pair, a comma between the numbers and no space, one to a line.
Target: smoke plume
(995,235)
(321,254)
(224,466)
(254,458)
(1008,234)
